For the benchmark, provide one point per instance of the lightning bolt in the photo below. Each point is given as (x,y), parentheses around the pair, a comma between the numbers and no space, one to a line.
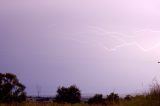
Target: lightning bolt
(122,39)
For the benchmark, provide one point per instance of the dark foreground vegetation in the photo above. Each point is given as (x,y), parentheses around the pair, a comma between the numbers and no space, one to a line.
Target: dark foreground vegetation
(12,93)
(11,90)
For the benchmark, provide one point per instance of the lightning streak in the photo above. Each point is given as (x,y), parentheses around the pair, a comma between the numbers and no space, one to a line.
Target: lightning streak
(99,37)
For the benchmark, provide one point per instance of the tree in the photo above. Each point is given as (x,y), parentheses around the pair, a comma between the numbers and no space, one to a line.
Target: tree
(112,98)
(11,90)
(128,97)
(70,95)
(96,99)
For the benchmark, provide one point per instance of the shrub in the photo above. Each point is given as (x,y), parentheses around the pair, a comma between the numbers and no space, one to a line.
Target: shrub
(128,97)
(96,99)
(70,95)
(153,97)
(112,98)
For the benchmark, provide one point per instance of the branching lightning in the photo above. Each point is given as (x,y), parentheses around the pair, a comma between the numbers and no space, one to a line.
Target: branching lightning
(121,39)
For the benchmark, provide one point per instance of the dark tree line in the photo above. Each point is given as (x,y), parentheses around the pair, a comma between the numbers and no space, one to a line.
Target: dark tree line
(112,98)
(11,90)
(96,99)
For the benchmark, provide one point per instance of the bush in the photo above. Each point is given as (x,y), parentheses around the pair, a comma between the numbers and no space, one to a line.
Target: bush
(153,97)
(11,90)
(70,95)
(96,99)
(128,97)
(112,98)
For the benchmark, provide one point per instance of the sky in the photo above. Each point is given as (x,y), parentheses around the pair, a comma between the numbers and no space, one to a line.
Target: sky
(101,46)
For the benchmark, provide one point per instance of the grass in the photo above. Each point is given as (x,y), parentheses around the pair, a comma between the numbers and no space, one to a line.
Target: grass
(136,101)
(152,98)
(45,104)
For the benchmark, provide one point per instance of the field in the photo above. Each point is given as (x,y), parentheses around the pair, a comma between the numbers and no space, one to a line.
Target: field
(51,104)
(136,101)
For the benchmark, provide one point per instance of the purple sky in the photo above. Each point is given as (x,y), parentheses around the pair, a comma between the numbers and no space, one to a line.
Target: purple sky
(99,45)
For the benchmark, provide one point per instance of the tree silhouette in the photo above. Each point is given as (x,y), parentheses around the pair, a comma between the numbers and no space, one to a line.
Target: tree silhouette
(96,99)
(112,98)
(11,90)
(70,95)
(128,97)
